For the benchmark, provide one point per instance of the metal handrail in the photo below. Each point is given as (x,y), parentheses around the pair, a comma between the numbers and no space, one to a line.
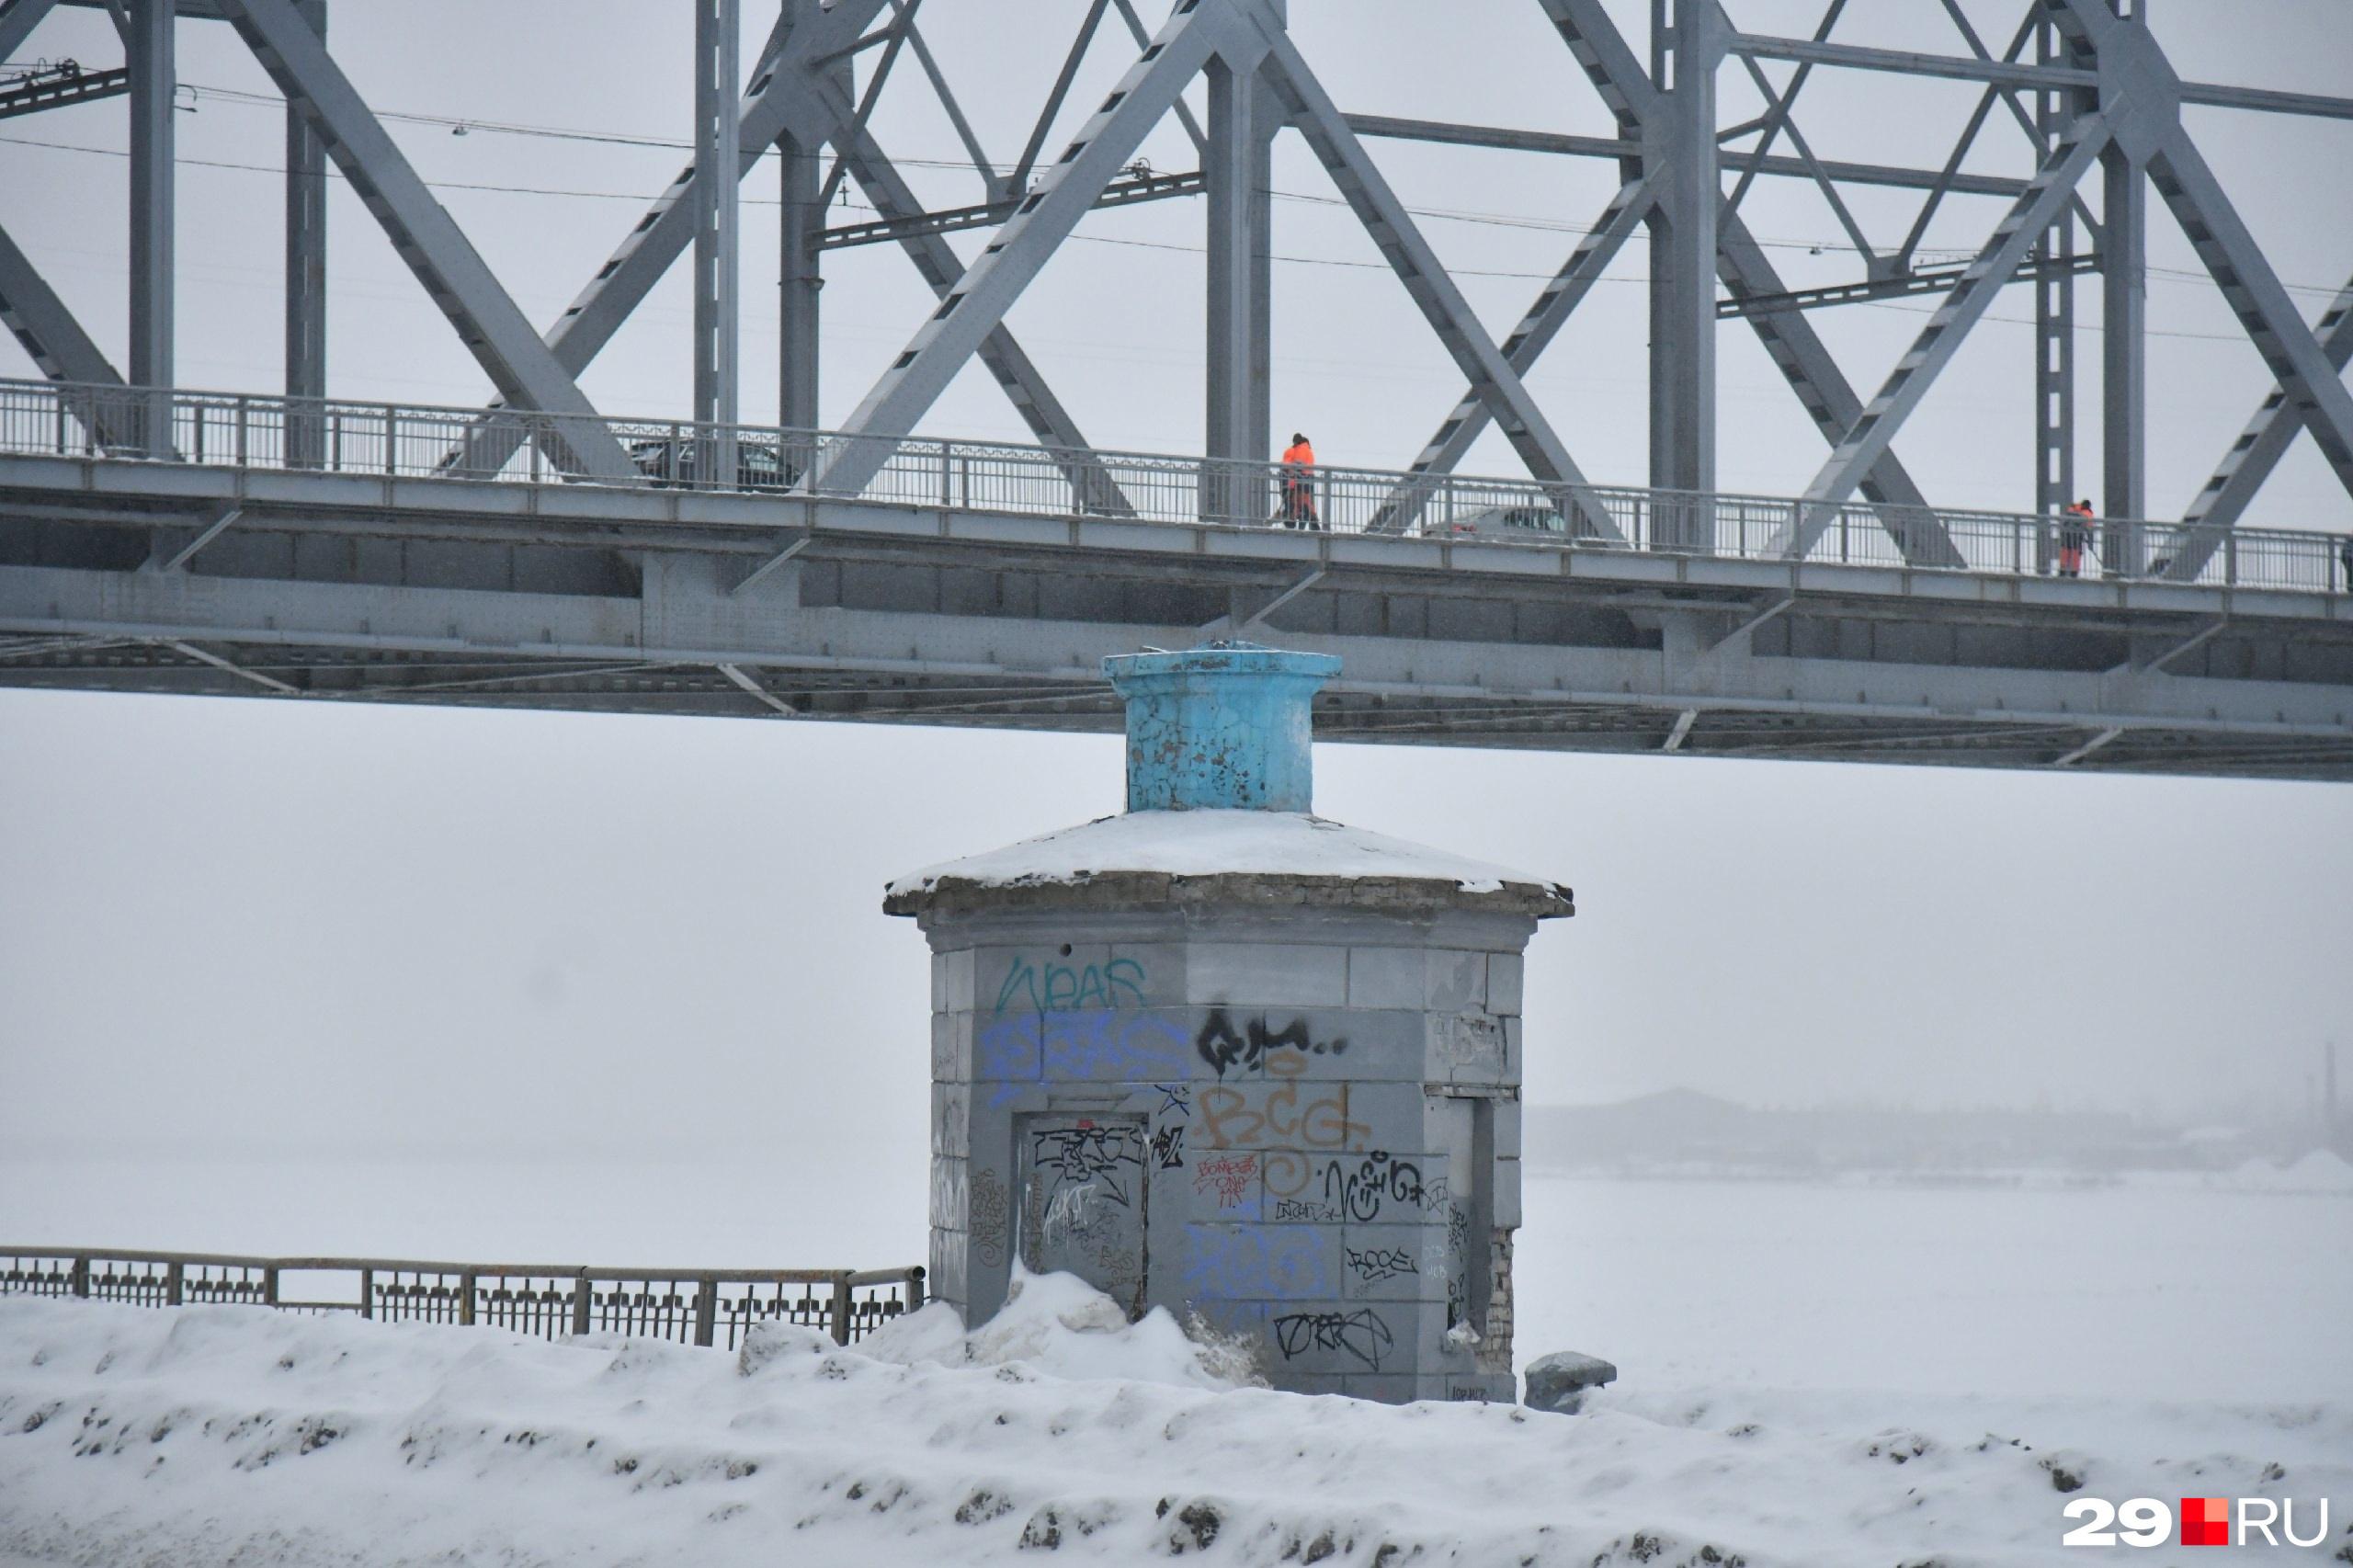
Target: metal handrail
(423,441)
(697,1306)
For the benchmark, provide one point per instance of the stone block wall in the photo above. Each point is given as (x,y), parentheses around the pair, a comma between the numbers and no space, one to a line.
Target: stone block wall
(1303,1127)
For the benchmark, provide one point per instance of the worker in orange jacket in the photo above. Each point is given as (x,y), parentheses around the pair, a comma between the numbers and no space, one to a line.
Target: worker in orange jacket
(1299,484)
(2074,534)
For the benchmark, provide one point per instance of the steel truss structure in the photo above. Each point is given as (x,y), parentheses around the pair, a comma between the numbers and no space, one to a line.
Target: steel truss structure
(2084,81)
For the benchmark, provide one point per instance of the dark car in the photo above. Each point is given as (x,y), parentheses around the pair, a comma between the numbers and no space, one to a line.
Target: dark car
(669,462)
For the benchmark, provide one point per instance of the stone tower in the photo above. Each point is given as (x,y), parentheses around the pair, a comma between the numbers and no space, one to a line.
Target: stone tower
(1221,1055)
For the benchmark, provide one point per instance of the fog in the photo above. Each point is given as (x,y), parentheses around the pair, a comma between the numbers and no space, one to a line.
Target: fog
(229,927)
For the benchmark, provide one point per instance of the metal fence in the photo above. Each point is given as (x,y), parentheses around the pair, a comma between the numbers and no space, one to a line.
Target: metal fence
(413,441)
(714,1307)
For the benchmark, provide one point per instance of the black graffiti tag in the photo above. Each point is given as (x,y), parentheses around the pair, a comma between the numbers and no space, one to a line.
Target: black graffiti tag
(1360,1333)
(1376,1179)
(1222,1046)
(1100,1155)
(1168,1149)
(1375,1264)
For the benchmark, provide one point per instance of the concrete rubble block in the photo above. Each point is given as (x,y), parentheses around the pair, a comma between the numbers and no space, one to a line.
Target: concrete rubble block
(1454,981)
(1262,1262)
(951,1193)
(952,1119)
(1267,974)
(1386,977)
(1392,1263)
(1505,974)
(1558,1383)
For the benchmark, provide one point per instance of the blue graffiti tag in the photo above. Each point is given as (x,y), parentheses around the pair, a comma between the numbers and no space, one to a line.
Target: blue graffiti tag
(1241,1261)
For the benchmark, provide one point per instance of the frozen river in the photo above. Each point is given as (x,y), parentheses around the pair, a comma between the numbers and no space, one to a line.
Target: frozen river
(2116,1292)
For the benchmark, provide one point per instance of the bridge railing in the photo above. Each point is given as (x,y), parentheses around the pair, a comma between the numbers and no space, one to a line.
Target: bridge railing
(415,441)
(713,1307)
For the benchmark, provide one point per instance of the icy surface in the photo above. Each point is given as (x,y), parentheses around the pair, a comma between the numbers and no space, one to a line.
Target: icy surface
(1198,844)
(143,1435)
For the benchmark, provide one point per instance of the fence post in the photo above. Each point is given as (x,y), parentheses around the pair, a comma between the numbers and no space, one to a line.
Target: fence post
(2230,558)
(946,471)
(466,1296)
(391,439)
(270,1285)
(367,1292)
(175,1283)
(245,418)
(914,1288)
(706,1308)
(580,1294)
(81,1276)
(841,1306)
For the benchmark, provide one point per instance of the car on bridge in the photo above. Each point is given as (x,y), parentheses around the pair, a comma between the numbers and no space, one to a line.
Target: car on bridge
(672,462)
(1536,524)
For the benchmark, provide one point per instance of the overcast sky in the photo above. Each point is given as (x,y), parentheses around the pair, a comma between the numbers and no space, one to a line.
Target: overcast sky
(248,922)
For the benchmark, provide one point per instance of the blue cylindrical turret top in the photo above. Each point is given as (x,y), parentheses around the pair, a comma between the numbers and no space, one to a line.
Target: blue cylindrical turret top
(1221,727)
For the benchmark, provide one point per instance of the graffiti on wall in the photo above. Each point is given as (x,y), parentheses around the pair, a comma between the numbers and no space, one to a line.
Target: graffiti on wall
(1226,1179)
(1360,1335)
(1242,1262)
(1225,1046)
(988,1216)
(1280,1112)
(1054,987)
(1374,1265)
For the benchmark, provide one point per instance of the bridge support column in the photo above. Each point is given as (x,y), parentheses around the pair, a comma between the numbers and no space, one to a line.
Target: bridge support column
(306,271)
(2124,287)
(2054,313)
(1685,53)
(801,278)
(719,80)
(153,80)
(1237,162)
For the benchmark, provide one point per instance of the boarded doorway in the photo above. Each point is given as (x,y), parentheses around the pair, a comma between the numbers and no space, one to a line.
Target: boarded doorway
(1083,1200)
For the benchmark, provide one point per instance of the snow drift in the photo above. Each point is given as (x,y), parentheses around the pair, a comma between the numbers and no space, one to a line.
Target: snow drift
(133,1436)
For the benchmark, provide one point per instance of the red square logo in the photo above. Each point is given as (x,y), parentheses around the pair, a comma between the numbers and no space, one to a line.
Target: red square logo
(2205,1521)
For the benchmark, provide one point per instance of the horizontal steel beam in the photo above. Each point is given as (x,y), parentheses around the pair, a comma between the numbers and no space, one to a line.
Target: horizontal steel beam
(1932,280)
(57,91)
(1733,160)
(948,221)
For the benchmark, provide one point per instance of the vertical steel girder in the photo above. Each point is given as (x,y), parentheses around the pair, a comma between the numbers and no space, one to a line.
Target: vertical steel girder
(425,235)
(2222,499)
(154,79)
(717,84)
(2054,304)
(800,280)
(2123,377)
(2046,195)
(1686,50)
(306,269)
(1234,176)
(975,305)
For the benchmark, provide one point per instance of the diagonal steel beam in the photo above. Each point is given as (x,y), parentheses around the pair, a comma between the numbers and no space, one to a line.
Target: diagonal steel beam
(58,346)
(1409,256)
(18,19)
(1539,324)
(2180,177)
(1066,190)
(2258,450)
(1805,361)
(487,319)
(1018,181)
(2075,152)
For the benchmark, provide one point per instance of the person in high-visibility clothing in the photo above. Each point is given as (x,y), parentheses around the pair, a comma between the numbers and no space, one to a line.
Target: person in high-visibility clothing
(1298,509)
(2075,535)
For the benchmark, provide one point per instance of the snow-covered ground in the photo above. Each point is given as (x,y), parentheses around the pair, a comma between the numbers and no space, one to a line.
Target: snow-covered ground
(1809,1375)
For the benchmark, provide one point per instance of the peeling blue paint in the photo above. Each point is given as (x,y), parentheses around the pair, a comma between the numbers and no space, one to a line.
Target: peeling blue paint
(1222,727)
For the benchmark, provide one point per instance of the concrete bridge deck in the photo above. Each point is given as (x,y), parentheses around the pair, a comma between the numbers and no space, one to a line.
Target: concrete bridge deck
(385,553)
